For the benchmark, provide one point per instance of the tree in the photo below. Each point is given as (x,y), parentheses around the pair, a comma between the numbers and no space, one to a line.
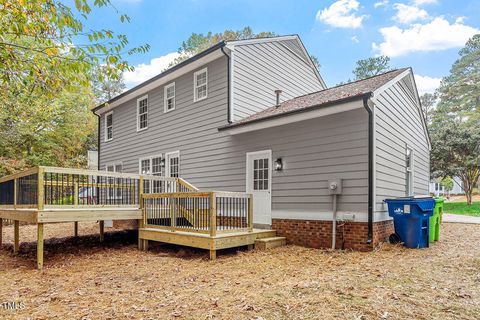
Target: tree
(44,46)
(371,67)
(104,87)
(428,101)
(199,42)
(455,127)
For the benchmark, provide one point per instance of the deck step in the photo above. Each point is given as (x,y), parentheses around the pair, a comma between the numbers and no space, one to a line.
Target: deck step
(261,234)
(269,243)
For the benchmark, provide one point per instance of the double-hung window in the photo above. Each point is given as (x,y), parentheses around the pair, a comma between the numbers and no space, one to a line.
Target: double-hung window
(152,166)
(169,97)
(200,85)
(109,126)
(409,172)
(115,188)
(142,113)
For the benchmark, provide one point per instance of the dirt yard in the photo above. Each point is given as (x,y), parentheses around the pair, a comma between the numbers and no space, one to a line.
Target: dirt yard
(84,279)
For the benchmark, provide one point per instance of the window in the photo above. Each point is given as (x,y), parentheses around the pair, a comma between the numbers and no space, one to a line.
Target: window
(142,113)
(260,174)
(114,184)
(200,85)
(109,126)
(409,172)
(169,97)
(173,164)
(152,166)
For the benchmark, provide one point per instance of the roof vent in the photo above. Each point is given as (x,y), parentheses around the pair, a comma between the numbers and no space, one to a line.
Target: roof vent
(277,94)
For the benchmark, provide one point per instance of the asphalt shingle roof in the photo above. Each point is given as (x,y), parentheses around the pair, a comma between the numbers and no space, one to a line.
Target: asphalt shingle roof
(324,97)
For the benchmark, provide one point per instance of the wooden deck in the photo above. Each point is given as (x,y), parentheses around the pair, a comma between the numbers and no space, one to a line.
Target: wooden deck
(176,212)
(204,241)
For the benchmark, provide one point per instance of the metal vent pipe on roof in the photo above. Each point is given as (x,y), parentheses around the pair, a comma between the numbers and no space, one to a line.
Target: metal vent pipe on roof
(278,93)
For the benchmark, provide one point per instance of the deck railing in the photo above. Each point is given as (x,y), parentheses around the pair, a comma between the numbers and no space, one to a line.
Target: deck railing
(202,212)
(51,187)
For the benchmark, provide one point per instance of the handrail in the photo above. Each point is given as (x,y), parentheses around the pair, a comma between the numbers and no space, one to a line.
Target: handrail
(187,185)
(198,211)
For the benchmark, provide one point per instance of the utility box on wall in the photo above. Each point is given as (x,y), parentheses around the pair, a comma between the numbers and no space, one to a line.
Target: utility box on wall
(335,186)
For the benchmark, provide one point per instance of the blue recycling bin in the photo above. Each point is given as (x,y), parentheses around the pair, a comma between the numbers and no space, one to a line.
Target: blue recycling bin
(411,219)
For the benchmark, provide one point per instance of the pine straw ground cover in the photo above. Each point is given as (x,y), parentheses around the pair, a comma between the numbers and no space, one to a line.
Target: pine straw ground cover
(83,279)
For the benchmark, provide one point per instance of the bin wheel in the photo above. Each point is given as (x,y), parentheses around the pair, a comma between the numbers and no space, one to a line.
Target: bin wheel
(394,238)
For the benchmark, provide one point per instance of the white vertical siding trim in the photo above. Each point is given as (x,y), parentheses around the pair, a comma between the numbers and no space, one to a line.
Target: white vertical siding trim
(232,86)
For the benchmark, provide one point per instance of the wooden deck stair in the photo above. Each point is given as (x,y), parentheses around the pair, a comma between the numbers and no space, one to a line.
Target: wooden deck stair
(264,243)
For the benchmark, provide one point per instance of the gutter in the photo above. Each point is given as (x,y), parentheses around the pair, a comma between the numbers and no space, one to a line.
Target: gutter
(229,110)
(98,141)
(370,167)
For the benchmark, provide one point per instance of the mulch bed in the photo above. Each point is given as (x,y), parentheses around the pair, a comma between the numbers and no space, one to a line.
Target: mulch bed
(85,279)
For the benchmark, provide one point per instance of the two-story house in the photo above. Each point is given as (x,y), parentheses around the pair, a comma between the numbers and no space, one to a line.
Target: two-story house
(256,116)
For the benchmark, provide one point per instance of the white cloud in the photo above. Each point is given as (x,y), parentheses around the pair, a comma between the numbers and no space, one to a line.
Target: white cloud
(355,39)
(380,4)
(409,14)
(426,84)
(144,71)
(436,35)
(421,2)
(341,14)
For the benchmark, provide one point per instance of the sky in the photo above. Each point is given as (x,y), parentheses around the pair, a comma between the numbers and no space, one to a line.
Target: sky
(423,34)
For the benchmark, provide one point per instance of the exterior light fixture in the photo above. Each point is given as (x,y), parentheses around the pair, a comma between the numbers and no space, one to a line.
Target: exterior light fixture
(278,164)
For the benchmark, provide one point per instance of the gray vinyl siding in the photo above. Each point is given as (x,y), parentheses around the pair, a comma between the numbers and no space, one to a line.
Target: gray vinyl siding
(260,69)
(398,124)
(313,151)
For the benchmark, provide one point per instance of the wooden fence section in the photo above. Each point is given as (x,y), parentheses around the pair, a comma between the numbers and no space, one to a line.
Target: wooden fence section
(200,212)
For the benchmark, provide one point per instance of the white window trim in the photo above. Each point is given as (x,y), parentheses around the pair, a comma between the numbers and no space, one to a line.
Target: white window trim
(410,187)
(105,128)
(165,109)
(138,112)
(167,163)
(204,70)
(114,165)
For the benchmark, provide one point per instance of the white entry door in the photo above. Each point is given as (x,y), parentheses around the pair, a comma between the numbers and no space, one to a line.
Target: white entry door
(172,168)
(259,183)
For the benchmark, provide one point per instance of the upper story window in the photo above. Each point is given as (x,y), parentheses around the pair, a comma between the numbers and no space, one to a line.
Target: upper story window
(409,172)
(169,97)
(109,126)
(200,84)
(142,113)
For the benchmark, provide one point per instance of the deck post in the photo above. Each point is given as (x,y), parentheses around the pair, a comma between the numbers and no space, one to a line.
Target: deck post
(140,205)
(75,228)
(102,230)
(16,236)
(1,232)
(213,216)
(39,246)
(250,213)
(41,188)
(14,193)
(213,254)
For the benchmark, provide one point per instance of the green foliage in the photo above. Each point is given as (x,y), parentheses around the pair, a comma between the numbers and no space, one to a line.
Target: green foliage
(199,42)
(104,87)
(455,127)
(371,67)
(44,46)
(428,102)
(447,183)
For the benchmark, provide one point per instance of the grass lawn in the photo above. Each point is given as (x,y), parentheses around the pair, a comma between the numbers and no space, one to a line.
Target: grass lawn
(83,279)
(462,208)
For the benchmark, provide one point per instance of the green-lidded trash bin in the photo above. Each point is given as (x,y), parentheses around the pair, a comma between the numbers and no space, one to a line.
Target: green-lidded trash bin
(435,220)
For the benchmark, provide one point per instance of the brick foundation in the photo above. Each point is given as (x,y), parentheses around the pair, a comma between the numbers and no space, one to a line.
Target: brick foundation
(318,234)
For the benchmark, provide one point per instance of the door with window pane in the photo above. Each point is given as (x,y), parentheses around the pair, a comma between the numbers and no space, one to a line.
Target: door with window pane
(172,163)
(259,181)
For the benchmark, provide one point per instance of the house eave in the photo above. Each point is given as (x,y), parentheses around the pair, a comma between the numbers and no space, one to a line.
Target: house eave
(321,110)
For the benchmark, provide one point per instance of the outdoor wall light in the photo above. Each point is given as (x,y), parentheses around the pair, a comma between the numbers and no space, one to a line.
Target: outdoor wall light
(162,162)
(278,164)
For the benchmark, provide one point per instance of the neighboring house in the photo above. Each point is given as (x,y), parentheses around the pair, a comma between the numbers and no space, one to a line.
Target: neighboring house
(437,189)
(219,121)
